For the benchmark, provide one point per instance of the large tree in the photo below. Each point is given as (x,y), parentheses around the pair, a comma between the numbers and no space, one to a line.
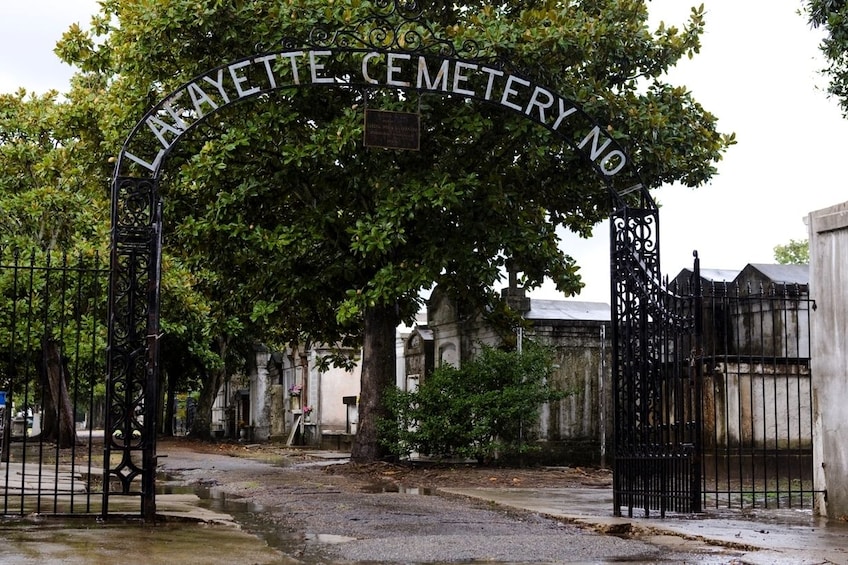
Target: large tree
(51,216)
(290,226)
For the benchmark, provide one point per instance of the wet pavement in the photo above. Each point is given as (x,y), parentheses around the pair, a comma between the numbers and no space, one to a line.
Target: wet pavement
(774,536)
(188,534)
(206,527)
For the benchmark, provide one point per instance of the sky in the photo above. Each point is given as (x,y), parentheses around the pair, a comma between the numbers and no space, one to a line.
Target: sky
(758,72)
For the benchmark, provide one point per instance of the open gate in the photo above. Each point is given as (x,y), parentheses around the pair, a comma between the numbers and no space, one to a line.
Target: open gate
(712,394)
(394,41)
(71,438)
(757,427)
(656,372)
(658,355)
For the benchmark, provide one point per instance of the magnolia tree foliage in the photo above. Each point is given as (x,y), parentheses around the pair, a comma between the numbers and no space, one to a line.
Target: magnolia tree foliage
(51,321)
(286,226)
(832,17)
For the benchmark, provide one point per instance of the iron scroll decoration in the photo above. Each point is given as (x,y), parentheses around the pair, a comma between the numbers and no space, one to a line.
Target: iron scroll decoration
(381,30)
(411,56)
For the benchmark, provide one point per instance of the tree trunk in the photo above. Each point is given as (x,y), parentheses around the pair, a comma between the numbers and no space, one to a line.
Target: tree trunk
(169,403)
(58,412)
(378,373)
(201,427)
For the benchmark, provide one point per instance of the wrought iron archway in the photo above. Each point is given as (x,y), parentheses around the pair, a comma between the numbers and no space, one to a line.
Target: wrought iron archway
(395,32)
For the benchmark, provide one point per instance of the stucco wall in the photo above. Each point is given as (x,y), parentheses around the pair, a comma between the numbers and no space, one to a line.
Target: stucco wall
(750,405)
(334,384)
(574,430)
(259,407)
(828,230)
(578,427)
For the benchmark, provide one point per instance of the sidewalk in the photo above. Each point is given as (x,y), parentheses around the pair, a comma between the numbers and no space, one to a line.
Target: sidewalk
(192,535)
(765,536)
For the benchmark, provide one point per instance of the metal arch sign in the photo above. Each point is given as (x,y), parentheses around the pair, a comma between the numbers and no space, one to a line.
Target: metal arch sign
(133,348)
(162,127)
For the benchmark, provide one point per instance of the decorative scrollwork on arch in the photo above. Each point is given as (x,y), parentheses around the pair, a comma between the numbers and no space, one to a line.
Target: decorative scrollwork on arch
(393,25)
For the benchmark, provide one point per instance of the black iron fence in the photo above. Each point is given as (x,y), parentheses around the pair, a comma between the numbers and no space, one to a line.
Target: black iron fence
(712,394)
(758,411)
(52,376)
(713,398)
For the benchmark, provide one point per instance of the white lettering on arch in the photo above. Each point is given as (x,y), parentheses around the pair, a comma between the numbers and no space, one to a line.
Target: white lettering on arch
(199,98)
(227,84)
(563,113)
(392,69)
(174,112)
(219,84)
(365,60)
(608,164)
(596,151)
(266,61)
(292,57)
(424,76)
(542,106)
(159,128)
(612,162)
(149,166)
(491,82)
(315,66)
(510,92)
(238,79)
(460,78)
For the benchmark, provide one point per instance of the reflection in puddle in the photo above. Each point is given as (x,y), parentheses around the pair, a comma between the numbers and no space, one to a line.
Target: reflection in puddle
(252,517)
(327,538)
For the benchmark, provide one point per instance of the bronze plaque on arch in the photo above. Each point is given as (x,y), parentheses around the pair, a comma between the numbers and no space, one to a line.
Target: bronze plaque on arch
(392,130)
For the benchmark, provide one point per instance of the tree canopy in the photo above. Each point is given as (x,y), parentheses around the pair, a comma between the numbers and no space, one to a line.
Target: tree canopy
(796,252)
(284,225)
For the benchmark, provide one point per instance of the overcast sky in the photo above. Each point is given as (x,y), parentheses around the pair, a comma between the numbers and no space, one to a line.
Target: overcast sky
(757,71)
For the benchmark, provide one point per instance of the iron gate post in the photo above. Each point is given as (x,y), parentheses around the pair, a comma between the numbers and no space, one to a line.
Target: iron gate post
(696,492)
(133,344)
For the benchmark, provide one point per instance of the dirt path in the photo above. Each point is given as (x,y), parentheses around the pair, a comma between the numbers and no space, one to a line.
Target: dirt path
(329,512)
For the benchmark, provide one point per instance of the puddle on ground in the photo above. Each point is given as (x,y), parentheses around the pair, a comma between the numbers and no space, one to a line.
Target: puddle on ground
(378,488)
(327,538)
(82,541)
(254,518)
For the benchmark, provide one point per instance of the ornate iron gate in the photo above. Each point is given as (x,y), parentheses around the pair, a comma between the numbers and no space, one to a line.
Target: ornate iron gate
(758,410)
(712,395)
(656,372)
(395,28)
(133,357)
(52,371)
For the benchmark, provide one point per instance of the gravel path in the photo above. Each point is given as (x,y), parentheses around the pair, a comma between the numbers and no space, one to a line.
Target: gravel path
(321,517)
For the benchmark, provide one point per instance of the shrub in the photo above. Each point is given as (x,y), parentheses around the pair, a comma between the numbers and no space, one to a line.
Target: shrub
(482,410)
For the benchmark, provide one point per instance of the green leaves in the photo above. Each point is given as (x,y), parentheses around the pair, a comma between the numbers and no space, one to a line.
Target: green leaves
(832,15)
(796,252)
(370,237)
(47,199)
(482,410)
(279,223)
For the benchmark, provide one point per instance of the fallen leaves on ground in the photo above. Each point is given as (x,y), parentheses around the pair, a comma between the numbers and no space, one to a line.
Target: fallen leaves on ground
(426,474)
